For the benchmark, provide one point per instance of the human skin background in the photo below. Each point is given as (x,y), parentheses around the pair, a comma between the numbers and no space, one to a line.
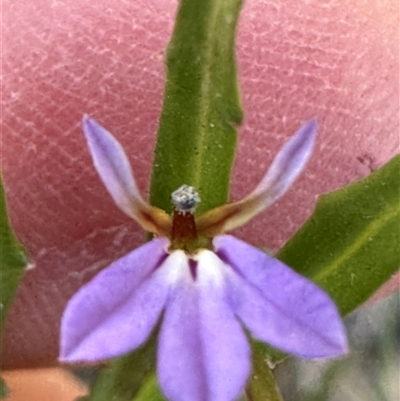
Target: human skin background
(336,60)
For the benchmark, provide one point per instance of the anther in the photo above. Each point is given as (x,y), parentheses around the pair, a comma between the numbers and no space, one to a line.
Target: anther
(185,199)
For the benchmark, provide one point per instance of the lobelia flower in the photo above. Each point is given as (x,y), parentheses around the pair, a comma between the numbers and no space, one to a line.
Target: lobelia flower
(202,284)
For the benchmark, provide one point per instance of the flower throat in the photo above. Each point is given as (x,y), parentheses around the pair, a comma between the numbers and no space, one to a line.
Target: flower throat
(184,232)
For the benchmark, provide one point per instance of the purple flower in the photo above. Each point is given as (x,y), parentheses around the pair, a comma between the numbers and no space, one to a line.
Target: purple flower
(203,284)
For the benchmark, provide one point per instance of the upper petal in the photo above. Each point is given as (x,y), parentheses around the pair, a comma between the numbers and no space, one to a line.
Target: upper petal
(112,165)
(117,309)
(278,305)
(285,168)
(203,352)
(115,171)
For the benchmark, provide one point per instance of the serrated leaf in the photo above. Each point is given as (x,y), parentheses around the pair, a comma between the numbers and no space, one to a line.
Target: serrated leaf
(197,137)
(262,385)
(350,246)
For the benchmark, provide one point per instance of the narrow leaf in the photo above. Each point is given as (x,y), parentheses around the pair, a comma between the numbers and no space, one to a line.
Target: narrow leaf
(150,391)
(350,246)
(122,379)
(195,145)
(13,260)
(262,384)
(4,391)
(197,136)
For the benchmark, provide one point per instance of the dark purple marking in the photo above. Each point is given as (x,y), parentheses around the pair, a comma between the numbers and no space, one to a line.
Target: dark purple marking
(193,268)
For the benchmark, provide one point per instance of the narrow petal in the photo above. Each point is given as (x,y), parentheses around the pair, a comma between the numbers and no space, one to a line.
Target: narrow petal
(278,305)
(112,165)
(115,171)
(116,310)
(285,168)
(203,352)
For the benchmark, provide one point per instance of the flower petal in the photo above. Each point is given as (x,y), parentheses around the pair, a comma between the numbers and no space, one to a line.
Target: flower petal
(116,310)
(203,352)
(285,168)
(115,171)
(278,305)
(112,165)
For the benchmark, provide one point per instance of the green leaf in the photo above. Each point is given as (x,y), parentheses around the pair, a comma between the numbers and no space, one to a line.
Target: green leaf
(13,260)
(122,379)
(262,385)
(150,391)
(4,391)
(195,145)
(351,244)
(197,137)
